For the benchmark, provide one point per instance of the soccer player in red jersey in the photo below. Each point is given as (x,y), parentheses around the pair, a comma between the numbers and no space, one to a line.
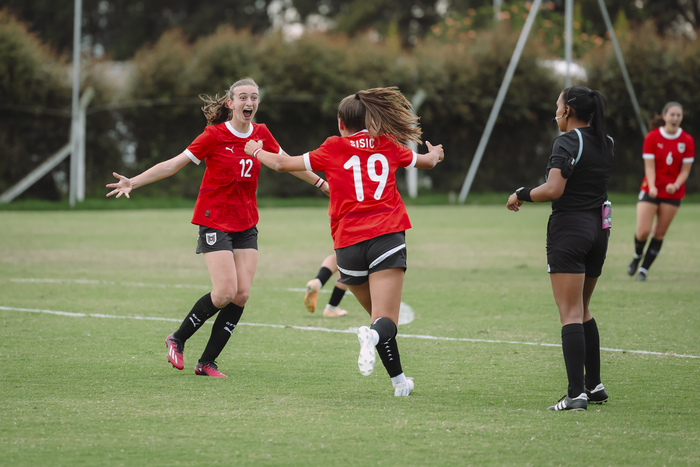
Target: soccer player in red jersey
(226,212)
(668,154)
(329,266)
(368,216)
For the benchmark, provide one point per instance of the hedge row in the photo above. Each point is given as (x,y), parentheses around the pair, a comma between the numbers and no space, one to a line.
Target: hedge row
(158,114)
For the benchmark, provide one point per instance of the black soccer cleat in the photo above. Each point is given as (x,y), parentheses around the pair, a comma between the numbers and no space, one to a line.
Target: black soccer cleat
(597,395)
(632,268)
(567,403)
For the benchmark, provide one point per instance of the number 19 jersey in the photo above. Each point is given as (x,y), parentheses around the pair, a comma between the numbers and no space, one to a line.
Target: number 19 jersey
(365,202)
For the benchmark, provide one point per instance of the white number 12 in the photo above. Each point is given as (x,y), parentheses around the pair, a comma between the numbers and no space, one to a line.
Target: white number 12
(380,178)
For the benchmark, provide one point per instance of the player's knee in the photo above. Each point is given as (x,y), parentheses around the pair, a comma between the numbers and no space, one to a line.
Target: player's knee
(224,296)
(241,297)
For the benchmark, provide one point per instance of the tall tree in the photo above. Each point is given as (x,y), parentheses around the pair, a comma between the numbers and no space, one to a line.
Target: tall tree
(120,27)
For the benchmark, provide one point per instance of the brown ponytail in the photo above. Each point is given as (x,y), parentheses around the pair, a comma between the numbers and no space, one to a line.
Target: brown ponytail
(382,111)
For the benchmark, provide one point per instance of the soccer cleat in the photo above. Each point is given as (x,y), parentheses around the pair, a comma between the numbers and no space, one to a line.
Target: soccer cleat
(311,295)
(208,369)
(632,268)
(328,313)
(641,276)
(404,389)
(175,349)
(367,355)
(568,403)
(597,395)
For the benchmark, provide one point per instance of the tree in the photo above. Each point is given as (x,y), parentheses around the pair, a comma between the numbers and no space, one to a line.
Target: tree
(120,27)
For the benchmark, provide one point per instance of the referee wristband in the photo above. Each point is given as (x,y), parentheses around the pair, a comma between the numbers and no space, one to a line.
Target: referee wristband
(255,153)
(319,183)
(523,194)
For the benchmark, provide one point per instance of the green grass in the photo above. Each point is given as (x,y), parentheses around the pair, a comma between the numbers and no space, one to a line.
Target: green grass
(95,390)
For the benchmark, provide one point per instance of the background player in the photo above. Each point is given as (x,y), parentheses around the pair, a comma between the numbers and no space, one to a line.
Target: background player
(329,266)
(668,154)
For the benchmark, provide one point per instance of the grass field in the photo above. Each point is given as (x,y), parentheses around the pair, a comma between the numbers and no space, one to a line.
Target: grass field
(87,298)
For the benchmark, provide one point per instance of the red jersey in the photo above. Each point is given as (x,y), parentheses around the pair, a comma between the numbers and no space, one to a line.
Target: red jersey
(360,169)
(669,153)
(226,199)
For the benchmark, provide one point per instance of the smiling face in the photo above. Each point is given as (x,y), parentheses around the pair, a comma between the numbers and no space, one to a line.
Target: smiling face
(673,118)
(244,104)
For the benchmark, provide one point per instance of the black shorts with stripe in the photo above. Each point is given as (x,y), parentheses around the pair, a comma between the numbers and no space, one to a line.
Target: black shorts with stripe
(576,243)
(210,240)
(644,197)
(357,262)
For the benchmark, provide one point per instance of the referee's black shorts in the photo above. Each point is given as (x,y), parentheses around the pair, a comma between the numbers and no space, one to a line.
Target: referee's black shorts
(357,262)
(576,243)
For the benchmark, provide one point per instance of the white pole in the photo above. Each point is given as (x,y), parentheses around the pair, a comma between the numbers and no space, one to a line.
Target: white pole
(412,174)
(75,117)
(621,61)
(497,9)
(84,102)
(499,100)
(568,45)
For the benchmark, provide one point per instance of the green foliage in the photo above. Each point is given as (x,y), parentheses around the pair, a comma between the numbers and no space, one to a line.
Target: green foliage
(302,81)
(661,70)
(31,83)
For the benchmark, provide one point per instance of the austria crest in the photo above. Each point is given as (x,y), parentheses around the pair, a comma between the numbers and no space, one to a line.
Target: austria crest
(211,238)
(681,147)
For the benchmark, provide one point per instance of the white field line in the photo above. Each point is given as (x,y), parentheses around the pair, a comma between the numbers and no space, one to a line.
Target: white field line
(406,314)
(343,331)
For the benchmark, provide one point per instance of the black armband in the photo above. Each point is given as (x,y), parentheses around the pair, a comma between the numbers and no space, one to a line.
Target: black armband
(523,194)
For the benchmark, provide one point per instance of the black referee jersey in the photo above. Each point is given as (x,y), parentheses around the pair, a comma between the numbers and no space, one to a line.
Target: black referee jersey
(586,165)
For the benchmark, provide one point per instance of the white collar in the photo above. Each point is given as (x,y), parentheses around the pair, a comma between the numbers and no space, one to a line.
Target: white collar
(669,135)
(238,133)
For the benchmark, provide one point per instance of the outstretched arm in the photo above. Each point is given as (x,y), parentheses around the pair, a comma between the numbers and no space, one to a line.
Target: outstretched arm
(285,163)
(157,172)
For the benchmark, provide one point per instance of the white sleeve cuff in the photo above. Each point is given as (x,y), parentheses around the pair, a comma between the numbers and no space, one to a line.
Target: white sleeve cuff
(413,162)
(647,156)
(192,157)
(688,159)
(307,161)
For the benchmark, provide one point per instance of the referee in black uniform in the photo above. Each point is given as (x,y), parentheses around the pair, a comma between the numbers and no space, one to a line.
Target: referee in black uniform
(577,233)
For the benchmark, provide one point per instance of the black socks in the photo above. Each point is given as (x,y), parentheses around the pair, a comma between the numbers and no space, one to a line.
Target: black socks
(652,253)
(336,296)
(221,331)
(639,247)
(573,344)
(323,275)
(201,311)
(387,348)
(590,330)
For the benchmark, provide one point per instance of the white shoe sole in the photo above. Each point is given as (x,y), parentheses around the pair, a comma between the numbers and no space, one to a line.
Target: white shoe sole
(367,358)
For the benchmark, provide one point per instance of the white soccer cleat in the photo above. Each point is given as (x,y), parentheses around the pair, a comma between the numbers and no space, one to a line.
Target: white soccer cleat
(334,313)
(367,356)
(311,294)
(404,389)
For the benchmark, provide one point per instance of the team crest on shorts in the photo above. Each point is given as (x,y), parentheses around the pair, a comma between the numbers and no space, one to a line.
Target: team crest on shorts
(681,147)
(211,238)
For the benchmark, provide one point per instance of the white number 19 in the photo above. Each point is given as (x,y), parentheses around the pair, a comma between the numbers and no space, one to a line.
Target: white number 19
(380,178)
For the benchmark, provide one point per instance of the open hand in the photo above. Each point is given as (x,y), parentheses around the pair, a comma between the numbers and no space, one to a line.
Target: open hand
(122,187)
